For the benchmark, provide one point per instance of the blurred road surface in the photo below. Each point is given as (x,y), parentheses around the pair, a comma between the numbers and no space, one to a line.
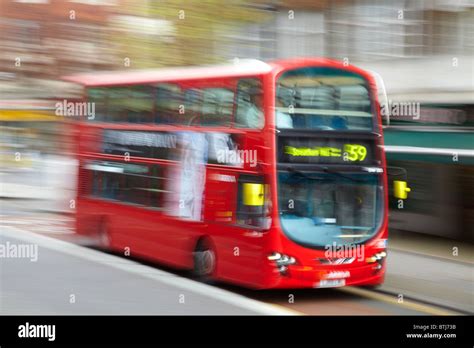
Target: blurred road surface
(72,280)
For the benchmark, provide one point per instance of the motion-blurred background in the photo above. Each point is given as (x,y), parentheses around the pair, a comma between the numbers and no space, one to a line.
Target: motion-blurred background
(422,49)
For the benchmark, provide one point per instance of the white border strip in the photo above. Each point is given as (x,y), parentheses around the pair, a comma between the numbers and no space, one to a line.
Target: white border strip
(428,150)
(146,271)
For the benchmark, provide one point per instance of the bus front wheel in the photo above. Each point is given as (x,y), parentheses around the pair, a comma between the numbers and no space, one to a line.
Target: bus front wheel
(204,260)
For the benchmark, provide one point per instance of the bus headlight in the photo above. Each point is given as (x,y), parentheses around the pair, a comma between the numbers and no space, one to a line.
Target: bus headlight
(376,257)
(281,259)
(274,256)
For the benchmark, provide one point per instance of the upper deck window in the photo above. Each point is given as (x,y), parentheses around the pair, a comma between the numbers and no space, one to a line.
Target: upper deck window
(169,103)
(217,107)
(130,104)
(210,105)
(98,96)
(249,112)
(206,106)
(122,104)
(323,99)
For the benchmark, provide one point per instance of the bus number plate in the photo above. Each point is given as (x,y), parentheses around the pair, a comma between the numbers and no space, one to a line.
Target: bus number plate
(330,283)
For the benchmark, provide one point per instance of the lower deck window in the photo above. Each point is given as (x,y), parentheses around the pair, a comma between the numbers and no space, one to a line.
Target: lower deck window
(138,184)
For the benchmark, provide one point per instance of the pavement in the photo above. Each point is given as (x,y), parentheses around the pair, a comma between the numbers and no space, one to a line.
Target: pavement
(430,279)
(67,279)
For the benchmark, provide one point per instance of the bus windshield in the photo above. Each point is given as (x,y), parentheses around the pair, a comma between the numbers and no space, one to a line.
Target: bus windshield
(323,98)
(319,209)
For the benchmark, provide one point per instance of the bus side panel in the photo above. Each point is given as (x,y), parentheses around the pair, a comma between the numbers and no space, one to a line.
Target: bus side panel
(87,219)
(170,240)
(151,235)
(240,255)
(87,223)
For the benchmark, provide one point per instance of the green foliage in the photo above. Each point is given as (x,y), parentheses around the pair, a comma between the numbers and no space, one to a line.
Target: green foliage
(196,33)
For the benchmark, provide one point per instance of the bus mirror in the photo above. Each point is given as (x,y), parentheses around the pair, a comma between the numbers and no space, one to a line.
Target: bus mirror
(400,189)
(253,194)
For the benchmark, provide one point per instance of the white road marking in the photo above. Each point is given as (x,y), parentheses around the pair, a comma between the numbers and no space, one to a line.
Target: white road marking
(145,271)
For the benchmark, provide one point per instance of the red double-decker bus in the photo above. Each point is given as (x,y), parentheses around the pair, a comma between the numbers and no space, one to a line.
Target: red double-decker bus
(267,175)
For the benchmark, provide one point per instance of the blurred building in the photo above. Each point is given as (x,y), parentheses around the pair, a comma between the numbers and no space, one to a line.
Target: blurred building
(49,37)
(431,42)
(360,30)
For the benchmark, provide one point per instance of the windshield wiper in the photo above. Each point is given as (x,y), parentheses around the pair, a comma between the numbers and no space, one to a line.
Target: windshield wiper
(325,170)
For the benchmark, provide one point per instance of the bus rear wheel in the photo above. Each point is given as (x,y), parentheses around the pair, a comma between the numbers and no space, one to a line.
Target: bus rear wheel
(204,260)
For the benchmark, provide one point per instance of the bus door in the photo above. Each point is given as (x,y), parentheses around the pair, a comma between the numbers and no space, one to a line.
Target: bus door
(235,214)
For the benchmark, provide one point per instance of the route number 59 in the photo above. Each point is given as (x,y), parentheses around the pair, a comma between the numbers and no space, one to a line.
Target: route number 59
(354,152)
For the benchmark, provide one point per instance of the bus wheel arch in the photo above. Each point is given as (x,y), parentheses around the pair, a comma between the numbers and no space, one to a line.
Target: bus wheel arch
(204,259)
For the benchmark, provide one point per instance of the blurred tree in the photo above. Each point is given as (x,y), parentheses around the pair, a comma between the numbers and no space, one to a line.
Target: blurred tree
(180,32)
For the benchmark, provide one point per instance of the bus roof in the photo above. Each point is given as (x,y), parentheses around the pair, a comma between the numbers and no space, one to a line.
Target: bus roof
(247,67)
(241,68)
